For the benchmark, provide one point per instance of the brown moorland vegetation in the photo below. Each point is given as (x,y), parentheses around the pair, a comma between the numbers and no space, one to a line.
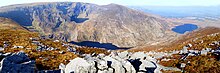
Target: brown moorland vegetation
(203,63)
(183,40)
(14,35)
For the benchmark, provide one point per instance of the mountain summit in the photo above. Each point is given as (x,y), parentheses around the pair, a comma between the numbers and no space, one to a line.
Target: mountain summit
(69,21)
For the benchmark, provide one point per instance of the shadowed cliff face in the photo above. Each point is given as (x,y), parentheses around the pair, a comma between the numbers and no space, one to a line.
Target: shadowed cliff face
(112,23)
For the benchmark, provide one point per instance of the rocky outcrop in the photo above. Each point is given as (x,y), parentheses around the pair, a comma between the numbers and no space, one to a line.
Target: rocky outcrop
(17,63)
(112,64)
(111,23)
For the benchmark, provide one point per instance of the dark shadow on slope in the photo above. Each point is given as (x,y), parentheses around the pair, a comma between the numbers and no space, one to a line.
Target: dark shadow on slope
(78,20)
(108,46)
(21,17)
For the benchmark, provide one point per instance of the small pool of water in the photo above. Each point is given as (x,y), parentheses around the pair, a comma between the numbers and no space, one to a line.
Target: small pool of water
(181,29)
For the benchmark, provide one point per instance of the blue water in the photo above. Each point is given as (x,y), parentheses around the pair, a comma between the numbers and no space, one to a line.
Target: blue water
(108,46)
(181,29)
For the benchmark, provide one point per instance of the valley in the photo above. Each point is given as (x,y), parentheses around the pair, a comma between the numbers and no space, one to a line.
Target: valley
(111,23)
(66,37)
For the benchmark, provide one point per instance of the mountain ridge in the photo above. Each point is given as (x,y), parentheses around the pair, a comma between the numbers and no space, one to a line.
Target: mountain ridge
(112,23)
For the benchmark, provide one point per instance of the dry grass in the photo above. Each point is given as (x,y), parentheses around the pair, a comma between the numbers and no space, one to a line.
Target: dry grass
(188,38)
(198,64)
(183,40)
(195,64)
(16,35)
(46,60)
(170,71)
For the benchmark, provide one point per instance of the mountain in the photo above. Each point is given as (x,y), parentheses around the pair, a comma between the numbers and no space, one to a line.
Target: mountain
(79,22)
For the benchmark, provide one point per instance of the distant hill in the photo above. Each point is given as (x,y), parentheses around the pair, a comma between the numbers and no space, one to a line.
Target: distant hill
(181,11)
(116,24)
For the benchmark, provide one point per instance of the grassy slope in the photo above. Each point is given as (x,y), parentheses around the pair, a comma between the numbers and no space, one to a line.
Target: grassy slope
(203,63)
(198,64)
(16,35)
(181,41)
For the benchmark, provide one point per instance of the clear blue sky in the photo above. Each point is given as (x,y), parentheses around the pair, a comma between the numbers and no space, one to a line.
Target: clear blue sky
(127,2)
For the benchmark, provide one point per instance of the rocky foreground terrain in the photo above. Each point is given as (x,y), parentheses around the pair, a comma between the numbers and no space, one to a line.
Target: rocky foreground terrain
(25,51)
(189,59)
(111,23)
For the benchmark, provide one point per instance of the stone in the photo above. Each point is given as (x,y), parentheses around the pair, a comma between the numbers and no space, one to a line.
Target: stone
(71,49)
(147,66)
(183,65)
(1,49)
(143,56)
(56,41)
(190,45)
(78,65)
(91,61)
(7,54)
(191,54)
(123,54)
(62,67)
(36,42)
(5,45)
(204,52)
(116,65)
(138,55)
(17,62)
(102,65)
(61,52)
(208,49)
(216,42)
(158,55)
(184,50)
(101,55)
(128,67)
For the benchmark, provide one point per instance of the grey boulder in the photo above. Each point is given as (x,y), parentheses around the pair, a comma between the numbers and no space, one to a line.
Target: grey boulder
(78,65)
(17,63)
